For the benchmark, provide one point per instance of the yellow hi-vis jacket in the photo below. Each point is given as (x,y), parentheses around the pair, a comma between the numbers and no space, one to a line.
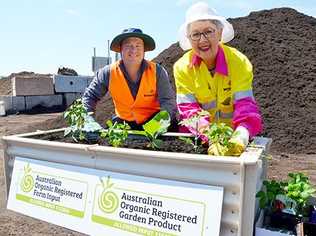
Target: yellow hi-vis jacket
(146,102)
(195,84)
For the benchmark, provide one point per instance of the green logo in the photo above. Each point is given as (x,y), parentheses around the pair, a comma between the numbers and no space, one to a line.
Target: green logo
(108,200)
(27,182)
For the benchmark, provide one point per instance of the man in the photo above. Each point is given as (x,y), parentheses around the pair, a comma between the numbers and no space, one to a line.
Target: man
(139,88)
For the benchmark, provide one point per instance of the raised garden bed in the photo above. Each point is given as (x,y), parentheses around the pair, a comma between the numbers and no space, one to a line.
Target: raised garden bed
(241,177)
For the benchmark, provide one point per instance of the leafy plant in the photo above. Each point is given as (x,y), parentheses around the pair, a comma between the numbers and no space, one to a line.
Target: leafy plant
(271,190)
(75,116)
(156,126)
(219,136)
(292,195)
(300,190)
(116,133)
(193,122)
(82,125)
(197,147)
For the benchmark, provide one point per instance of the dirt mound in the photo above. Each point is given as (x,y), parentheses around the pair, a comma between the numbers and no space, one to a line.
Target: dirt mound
(5,86)
(281,44)
(66,71)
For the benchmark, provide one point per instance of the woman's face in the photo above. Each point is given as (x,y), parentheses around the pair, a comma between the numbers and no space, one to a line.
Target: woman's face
(204,37)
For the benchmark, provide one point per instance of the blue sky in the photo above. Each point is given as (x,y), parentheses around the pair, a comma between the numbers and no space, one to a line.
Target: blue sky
(40,36)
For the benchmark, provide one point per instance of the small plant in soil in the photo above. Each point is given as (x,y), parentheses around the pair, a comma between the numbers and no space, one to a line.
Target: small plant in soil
(82,126)
(267,197)
(285,203)
(219,136)
(155,127)
(300,190)
(193,122)
(75,117)
(197,146)
(116,134)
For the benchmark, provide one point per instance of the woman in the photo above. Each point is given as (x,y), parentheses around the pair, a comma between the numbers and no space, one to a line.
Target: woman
(214,77)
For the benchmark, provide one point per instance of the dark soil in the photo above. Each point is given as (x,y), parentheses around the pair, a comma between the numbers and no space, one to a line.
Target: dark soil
(170,144)
(66,71)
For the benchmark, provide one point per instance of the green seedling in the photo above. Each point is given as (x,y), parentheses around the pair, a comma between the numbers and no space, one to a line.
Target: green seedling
(268,195)
(75,117)
(193,122)
(297,191)
(116,134)
(219,136)
(189,141)
(300,190)
(82,125)
(155,127)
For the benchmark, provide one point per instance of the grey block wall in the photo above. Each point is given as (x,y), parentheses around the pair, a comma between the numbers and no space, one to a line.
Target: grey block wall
(70,97)
(39,85)
(13,103)
(71,84)
(58,90)
(45,101)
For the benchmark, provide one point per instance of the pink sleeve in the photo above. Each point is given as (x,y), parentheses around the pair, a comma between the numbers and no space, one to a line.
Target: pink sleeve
(187,110)
(246,114)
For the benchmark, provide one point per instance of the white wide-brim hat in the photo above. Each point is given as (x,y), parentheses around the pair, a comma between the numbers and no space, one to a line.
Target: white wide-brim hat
(201,11)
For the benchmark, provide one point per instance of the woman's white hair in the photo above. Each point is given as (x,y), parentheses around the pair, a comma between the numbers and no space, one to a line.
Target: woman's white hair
(217,23)
(201,11)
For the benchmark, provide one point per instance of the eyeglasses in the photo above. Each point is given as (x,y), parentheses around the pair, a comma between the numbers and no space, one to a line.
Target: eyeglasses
(196,36)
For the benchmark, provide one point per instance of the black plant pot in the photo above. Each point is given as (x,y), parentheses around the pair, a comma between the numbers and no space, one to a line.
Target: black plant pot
(283,220)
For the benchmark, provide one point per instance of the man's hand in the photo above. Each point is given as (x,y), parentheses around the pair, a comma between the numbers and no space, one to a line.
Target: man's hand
(91,125)
(91,128)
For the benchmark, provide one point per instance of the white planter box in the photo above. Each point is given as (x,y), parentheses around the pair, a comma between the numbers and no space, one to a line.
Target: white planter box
(241,177)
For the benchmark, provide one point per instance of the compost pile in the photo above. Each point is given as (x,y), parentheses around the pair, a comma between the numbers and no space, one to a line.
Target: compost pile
(281,44)
(66,71)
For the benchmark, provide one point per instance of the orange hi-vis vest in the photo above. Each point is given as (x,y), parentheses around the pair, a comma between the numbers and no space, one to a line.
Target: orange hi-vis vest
(146,102)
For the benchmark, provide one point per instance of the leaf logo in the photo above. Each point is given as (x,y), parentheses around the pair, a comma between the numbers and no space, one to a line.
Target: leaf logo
(108,200)
(27,182)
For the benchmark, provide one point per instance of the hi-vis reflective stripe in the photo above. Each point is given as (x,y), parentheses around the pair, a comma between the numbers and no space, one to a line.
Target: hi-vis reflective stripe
(243,94)
(185,98)
(209,105)
(223,115)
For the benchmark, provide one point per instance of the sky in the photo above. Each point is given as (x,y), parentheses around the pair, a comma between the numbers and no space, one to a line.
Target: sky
(40,36)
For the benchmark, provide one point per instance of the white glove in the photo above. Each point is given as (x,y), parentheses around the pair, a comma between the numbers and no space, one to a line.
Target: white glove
(239,141)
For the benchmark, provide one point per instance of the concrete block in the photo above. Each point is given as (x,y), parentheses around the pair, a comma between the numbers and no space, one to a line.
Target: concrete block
(7,102)
(45,101)
(71,84)
(18,103)
(32,85)
(70,97)
(13,103)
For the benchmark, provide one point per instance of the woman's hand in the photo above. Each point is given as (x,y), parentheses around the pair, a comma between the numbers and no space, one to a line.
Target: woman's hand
(238,141)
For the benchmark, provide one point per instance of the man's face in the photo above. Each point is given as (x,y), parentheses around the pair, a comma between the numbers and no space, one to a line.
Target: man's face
(204,37)
(132,50)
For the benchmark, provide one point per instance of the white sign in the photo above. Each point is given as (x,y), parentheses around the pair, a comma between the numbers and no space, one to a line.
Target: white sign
(99,202)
